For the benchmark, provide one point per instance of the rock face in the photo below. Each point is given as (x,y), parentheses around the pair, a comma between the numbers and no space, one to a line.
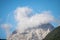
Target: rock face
(35,33)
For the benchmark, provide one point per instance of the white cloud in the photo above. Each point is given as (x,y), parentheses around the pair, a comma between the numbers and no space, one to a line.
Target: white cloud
(22,12)
(7,28)
(21,16)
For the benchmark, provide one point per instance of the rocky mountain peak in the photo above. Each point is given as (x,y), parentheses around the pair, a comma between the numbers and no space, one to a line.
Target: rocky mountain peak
(35,33)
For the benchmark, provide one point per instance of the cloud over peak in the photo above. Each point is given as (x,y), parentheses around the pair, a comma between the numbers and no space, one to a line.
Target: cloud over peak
(24,21)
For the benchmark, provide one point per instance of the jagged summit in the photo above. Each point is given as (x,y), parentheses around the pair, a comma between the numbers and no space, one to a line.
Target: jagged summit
(35,33)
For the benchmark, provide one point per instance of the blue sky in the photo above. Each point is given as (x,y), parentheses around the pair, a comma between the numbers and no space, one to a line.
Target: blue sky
(8,6)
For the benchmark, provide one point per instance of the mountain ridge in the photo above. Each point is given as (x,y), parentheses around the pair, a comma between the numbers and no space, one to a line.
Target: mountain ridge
(53,35)
(35,33)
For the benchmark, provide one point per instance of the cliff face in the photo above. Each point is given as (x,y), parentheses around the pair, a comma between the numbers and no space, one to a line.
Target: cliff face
(35,33)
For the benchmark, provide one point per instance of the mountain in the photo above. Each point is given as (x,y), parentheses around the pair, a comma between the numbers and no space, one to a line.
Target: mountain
(53,35)
(33,33)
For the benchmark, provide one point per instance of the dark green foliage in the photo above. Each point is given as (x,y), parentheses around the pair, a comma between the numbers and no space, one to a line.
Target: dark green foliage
(2,39)
(53,35)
